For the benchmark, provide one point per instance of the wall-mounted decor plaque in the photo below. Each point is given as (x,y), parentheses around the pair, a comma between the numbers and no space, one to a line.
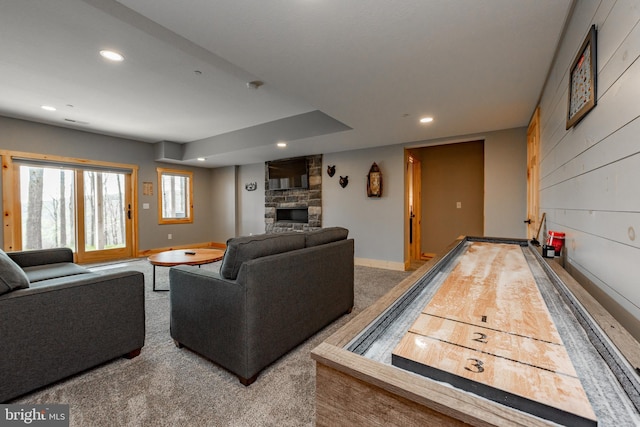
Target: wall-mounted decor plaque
(147,188)
(582,80)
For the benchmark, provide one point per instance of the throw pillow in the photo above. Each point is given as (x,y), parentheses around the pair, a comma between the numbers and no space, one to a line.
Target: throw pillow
(12,277)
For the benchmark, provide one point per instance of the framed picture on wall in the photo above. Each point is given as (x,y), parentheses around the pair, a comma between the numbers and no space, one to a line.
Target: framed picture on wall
(582,80)
(374,181)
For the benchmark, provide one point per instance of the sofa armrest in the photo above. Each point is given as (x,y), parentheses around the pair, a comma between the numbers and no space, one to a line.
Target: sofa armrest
(52,331)
(41,256)
(292,296)
(208,314)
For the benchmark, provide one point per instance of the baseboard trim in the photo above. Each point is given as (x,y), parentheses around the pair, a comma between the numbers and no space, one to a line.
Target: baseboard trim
(376,263)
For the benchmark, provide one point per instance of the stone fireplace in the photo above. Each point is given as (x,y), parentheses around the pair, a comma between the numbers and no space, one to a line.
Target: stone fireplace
(297,209)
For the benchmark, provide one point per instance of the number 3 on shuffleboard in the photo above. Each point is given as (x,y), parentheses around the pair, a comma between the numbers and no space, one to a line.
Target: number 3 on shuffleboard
(476,366)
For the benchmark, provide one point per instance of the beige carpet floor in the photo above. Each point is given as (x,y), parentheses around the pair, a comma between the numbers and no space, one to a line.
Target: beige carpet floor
(167,386)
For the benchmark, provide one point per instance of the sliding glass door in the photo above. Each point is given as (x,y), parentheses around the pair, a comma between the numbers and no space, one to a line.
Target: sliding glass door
(107,211)
(88,211)
(48,208)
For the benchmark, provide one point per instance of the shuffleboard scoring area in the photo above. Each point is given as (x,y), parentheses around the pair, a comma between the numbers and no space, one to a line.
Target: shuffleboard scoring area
(487,330)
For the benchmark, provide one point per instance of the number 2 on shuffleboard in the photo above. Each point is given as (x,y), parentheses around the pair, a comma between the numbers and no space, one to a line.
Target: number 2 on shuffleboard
(480,337)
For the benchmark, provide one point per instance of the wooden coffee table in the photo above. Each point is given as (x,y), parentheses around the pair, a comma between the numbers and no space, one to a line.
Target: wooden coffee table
(183,257)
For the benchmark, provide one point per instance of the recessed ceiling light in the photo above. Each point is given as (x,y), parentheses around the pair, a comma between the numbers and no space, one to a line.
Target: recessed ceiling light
(201,159)
(48,107)
(281,144)
(111,55)
(426,120)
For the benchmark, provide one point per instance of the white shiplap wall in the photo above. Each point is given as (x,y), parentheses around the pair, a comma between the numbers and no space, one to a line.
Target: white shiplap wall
(590,174)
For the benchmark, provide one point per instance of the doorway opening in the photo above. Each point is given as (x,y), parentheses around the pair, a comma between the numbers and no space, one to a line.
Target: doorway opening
(444,197)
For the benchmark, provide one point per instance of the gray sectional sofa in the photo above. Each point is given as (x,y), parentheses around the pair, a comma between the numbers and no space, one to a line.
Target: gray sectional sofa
(58,318)
(273,292)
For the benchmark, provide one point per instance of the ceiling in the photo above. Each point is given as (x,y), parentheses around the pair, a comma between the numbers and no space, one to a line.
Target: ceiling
(338,75)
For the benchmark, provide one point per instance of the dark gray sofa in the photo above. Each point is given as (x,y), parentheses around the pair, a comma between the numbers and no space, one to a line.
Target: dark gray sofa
(273,292)
(58,318)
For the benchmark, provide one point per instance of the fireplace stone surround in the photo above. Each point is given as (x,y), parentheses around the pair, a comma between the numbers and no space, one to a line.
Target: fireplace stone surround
(285,209)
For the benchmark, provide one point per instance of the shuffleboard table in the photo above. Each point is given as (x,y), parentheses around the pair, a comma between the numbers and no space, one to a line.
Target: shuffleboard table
(489,333)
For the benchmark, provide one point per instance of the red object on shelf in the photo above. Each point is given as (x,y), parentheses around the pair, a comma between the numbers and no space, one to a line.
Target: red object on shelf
(556,239)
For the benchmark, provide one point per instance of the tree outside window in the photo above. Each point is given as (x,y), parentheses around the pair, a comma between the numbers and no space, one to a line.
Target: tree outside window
(175,196)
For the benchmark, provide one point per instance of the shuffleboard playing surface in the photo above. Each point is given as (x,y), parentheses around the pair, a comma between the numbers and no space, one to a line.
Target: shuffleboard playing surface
(487,330)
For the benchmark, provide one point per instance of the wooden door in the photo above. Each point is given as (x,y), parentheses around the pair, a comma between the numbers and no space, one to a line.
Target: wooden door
(414,212)
(533,175)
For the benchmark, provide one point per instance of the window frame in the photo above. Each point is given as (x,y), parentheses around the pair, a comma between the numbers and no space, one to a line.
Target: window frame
(188,192)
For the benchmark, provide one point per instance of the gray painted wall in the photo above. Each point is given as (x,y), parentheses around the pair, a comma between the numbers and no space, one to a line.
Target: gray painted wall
(20,135)
(505,183)
(223,208)
(377,225)
(589,174)
(251,203)
(223,204)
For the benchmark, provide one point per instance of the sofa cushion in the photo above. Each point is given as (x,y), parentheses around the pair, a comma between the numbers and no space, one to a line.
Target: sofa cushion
(37,273)
(12,276)
(241,249)
(65,280)
(326,235)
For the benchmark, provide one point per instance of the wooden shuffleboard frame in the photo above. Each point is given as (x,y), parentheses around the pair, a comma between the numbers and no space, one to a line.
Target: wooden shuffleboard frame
(354,389)
(488,331)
